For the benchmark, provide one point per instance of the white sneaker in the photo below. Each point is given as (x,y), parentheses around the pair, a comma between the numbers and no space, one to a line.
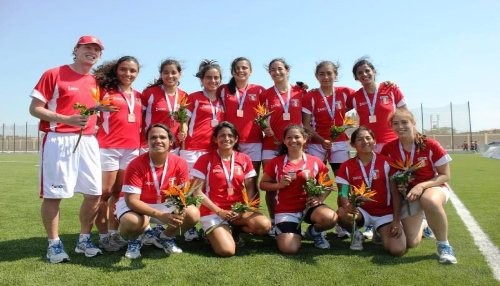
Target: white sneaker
(150,237)
(446,254)
(319,239)
(191,234)
(133,249)
(357,241)
(341,232)
(56,253)
(87,247)
(108,245)
(368,233)
(117,239)
(169,245)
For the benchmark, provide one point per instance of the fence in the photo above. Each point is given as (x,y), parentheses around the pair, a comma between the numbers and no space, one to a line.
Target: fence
(450,125)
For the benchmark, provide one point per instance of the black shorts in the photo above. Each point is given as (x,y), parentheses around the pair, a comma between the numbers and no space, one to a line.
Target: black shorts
(307,215)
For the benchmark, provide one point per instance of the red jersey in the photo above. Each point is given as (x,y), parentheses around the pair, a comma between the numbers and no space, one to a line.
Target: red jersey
(139,178)
(278,104)
(323,108)
(245,100)
(202,112)
(119,129)
(433,155)
(292,198)
(387,99)
(209,168)
(60,88)
(158,108)
(350,173)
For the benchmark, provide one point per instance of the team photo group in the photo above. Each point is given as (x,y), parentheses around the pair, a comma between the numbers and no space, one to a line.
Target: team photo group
(161,164)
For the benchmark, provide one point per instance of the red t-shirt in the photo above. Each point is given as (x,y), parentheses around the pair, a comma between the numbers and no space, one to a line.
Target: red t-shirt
(350,173)
(292,198)
(249,132)
(60,88)
(140,180)
(321,120)
(209,168)
(115,128)
(387,100)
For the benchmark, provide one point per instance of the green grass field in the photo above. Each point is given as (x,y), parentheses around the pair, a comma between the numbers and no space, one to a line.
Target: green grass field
(23,243)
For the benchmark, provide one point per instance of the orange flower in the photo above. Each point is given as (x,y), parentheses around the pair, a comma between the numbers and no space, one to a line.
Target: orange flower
(175,192)
(323,181)
(360,195)
(253,204)
(94,92)
(261,110)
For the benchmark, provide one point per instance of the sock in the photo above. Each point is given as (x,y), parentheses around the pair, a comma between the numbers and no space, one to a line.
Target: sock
(102,236)
(53,241)
(163,235)
(112,231)
(443,242)
(84,237)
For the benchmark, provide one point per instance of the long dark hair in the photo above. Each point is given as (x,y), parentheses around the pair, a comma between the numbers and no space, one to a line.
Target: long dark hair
(282,149)
(106,73)
(360,62)
(164,63)
(231,85)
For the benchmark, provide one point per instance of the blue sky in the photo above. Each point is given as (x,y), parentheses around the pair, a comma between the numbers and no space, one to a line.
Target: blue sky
(436,51)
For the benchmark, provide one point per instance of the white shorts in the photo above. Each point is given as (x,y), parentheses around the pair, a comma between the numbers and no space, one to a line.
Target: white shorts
(210,220)
(254,150)
(191,157)
(114,159)
(122,208)
(288,217)
(415,206)
(63,172)
(268,154)
(339,153)
(376,221)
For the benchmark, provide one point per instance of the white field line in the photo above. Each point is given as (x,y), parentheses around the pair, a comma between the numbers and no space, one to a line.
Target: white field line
(481,239)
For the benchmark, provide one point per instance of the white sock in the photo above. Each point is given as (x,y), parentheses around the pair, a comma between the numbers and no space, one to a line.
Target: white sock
(443,242)
(84,236)
(53,241)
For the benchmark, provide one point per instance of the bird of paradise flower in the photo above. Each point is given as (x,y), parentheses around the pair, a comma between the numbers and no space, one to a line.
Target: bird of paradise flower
(337,130)
(181,197)
(316,188)
(262,118)
(403,175)
(357,197)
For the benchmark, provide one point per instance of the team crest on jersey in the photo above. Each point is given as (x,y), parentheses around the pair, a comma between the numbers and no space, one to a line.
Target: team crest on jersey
(252,97)
(238,170)
(424,159)
(338,104)
(295,102)
(375,174)
(384,99)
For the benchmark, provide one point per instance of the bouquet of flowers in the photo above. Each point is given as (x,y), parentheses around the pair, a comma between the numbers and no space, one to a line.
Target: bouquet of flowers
(403,175)
(262,119)
(336,131)
(246,205)
(316,188)
(357,197)
(101,106)
(181,115)
(180,196)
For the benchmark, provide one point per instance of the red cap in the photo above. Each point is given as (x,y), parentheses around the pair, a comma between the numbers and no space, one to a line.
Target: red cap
(87,39)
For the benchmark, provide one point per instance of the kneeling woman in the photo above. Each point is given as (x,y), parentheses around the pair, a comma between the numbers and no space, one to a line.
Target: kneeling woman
(371,170)
(221,176)
(287,174)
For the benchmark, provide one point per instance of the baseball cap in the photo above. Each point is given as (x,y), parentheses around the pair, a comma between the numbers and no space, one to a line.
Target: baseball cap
(87,39)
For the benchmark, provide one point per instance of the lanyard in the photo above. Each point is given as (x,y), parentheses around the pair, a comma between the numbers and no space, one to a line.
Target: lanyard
(304,158)
(330,109)
(241,99)
(229,175)
(368,179)
(155,178)
(286,104)
(214,109)
(402,153)
(131,102)
(176,95)
(371,105)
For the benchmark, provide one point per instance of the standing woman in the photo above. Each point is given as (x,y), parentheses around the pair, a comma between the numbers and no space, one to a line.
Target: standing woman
(119,141)
(161,98)
(371,170)
(285,176)
(375,103)
(322,108)
(285,103)
(224,174)
(240,99)
(427,189)
(205,111)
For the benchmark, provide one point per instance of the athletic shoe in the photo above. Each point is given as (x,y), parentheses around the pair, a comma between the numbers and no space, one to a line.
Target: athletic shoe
(272,231)
(56,253)
(169,245)
(446,254)
(368,233)
(117,239)
(133,249)
(319,239)
(150,237)
(87,247)
(427,233)
(357,241)
(341,232)
(108,245)
(191,234)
